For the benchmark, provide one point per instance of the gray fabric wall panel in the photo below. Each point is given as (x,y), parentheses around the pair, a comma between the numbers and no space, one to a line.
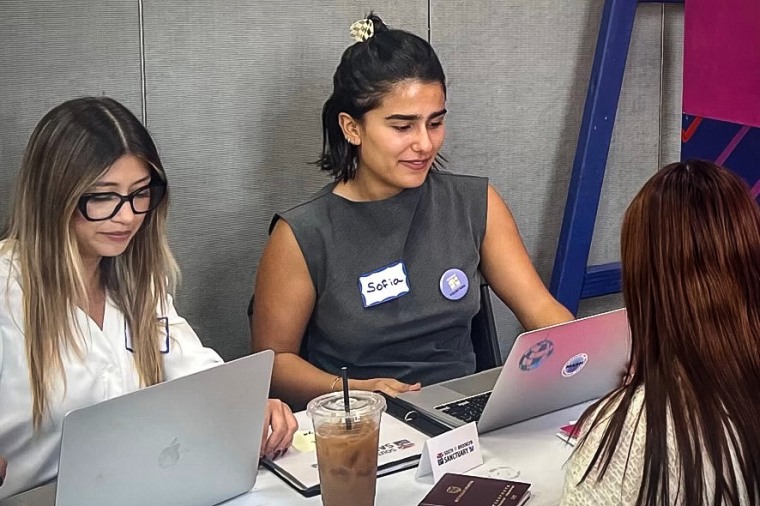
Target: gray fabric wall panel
(672,92)
(635,138)
(54,51)
(518,74)
(235,91)
(647,131)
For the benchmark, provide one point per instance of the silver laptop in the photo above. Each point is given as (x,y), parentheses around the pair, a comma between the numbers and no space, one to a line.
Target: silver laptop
(191,441)
(546,370)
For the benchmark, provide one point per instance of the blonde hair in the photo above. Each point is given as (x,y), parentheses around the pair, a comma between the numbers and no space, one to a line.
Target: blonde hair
(71,147)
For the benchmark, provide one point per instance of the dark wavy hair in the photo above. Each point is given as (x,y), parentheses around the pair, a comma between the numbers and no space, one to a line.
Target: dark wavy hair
(690,254)
(367,71)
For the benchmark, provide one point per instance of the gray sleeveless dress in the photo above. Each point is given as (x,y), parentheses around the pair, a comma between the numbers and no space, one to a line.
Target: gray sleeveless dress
(421,335)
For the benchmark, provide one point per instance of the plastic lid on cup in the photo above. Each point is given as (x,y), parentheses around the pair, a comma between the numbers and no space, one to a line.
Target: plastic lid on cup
(362,404)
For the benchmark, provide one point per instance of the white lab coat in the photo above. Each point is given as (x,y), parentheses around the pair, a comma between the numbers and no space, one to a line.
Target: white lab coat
(107,370)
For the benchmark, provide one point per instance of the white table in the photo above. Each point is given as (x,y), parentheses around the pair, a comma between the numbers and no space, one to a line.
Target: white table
(529,451)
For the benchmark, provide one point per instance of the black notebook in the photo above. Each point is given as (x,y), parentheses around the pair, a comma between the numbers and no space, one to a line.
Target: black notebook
(400,448)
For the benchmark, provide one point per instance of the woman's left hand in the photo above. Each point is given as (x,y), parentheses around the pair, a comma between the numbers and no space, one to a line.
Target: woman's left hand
(279,427)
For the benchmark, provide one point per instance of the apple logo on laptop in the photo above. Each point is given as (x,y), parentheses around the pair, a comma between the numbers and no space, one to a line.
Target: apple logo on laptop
(170,455)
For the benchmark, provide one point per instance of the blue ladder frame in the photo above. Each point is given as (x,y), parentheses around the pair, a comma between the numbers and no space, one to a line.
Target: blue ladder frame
(572,278)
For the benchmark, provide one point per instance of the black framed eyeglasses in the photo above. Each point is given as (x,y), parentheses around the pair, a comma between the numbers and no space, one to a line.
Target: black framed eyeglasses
(104,206)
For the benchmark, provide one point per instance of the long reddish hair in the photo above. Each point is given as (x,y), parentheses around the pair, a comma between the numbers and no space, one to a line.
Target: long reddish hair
(690,252)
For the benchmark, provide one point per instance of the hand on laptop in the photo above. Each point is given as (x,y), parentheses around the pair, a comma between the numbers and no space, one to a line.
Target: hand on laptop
(3,468)
(388,386)
(279,427)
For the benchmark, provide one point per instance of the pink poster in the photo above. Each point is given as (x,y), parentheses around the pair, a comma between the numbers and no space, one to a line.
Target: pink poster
(721,74)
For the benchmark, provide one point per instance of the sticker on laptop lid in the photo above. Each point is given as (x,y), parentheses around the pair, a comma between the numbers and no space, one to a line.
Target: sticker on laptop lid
(537,353)
(574,365)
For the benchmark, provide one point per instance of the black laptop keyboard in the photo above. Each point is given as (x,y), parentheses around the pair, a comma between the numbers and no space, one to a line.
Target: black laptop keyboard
(467,410)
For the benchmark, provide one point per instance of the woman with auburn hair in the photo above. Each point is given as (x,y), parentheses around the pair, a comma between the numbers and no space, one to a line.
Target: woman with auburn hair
(85,276)
(684,429)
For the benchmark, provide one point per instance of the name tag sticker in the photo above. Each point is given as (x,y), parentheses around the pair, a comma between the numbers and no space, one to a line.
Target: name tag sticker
(387,283)
(163,322)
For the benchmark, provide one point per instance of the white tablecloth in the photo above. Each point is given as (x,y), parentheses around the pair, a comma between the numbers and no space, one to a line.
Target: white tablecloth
(528,451)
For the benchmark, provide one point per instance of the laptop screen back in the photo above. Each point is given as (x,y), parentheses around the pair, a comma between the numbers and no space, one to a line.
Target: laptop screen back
(191,441)
(559,366)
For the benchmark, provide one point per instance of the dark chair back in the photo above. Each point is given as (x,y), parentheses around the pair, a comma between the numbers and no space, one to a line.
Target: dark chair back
(485,342)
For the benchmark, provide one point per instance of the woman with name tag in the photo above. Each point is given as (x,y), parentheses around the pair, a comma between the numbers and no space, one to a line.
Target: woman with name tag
(684,429)
(85,274)
(382,267)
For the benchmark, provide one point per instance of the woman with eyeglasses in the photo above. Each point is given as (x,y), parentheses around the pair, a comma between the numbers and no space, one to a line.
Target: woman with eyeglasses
(85,276)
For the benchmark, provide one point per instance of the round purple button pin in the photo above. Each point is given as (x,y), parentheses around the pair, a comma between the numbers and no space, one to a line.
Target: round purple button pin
(454,284)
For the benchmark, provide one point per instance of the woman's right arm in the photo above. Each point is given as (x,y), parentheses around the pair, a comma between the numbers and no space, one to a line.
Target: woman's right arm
(282,307)
(283,302)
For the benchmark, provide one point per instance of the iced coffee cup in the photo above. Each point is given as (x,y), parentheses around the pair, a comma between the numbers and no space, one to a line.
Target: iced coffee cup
(347,446)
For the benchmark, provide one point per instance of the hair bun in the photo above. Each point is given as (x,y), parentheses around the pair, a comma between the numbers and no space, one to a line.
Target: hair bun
(377,23)
(364,29)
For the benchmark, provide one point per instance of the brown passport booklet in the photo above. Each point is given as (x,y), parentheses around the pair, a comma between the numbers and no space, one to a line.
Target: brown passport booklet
(462,490)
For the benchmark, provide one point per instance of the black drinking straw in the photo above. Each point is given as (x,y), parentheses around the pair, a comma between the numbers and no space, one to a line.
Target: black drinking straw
(346,402)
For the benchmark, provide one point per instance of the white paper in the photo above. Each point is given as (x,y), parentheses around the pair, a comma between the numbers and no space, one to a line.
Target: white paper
(455,451)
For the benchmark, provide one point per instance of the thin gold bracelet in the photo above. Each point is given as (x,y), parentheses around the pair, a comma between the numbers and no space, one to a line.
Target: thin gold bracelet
(335,381)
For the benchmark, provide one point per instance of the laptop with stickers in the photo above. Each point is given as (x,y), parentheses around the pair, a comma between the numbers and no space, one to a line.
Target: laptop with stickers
(546,370)
(190,441)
